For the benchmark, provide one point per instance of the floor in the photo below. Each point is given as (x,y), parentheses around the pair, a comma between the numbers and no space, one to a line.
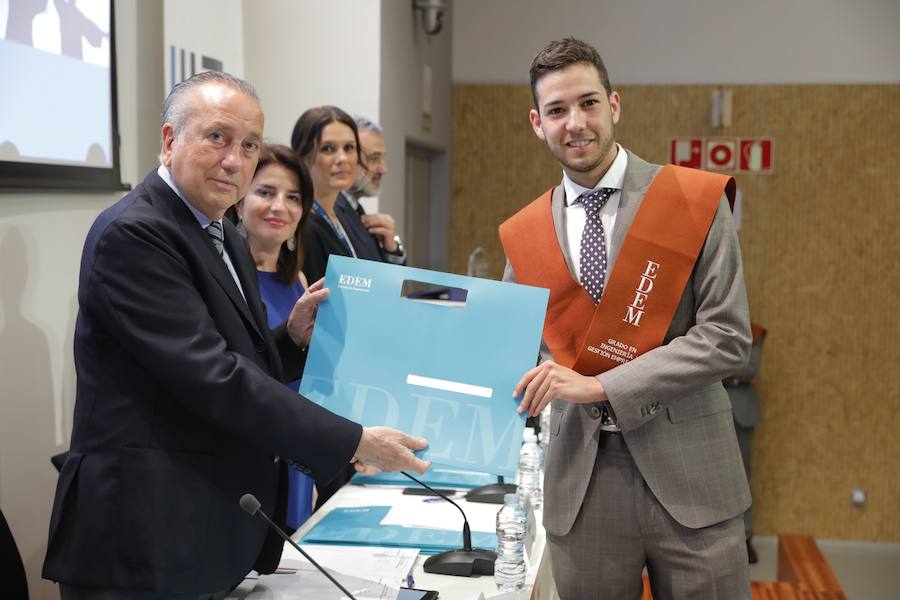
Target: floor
(866,571)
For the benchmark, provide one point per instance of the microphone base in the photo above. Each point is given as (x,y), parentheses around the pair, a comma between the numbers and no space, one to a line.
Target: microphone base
(491,493)
(462,563)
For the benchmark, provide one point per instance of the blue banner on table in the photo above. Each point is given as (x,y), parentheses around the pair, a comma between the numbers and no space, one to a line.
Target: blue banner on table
(361,526)
(444,371)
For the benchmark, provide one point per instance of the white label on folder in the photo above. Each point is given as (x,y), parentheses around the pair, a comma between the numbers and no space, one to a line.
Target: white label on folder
(450,386)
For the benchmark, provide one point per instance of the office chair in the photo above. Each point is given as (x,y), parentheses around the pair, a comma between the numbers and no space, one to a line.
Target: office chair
(12,571)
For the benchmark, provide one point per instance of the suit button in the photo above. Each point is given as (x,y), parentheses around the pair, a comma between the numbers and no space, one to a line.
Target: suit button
(595,412)
(260,347)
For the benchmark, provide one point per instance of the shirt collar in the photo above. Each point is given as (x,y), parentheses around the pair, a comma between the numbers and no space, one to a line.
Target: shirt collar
(613,178)
(202,219)
(352,198)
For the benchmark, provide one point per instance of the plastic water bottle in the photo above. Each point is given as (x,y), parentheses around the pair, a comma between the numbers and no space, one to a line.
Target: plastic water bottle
(544,435)
(509,570)
(479,263)
(530,459)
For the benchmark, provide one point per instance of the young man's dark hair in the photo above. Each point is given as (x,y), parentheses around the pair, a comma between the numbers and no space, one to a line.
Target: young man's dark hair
(558,55)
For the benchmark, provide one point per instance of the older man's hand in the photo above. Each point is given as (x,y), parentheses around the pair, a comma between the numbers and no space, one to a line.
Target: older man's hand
(303,315)
(390,450)
(382,225)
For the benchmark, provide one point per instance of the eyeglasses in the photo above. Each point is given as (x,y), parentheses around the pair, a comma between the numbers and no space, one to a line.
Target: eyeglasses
(374,160)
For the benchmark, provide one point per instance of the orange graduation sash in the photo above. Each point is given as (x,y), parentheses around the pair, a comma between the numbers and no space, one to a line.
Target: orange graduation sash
(647,280)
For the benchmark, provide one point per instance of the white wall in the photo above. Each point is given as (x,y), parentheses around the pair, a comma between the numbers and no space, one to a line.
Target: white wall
(405,50)
(41,235)
(299,54)
(204,27)
(691,42)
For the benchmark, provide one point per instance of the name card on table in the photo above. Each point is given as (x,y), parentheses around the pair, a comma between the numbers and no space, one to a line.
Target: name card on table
(432,354)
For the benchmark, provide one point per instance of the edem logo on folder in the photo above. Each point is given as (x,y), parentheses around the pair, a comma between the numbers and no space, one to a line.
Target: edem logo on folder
(440,369)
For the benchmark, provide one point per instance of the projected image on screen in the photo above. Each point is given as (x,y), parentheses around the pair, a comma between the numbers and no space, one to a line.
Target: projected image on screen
(56,103)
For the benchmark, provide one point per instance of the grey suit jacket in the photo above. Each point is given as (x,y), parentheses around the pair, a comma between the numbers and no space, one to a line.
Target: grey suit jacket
(744,398)
(669,402)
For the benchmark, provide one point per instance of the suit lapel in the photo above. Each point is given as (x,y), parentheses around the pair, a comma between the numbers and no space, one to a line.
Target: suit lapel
(241,260)
(558,209)
(202,246)
(638,176)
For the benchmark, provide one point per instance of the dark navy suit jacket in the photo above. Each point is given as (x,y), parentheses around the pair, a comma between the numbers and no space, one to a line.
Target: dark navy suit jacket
(365,244)
(179,410)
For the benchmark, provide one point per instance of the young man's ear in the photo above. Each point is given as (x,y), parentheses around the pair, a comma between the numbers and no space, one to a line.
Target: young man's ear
(615,106)
(535,118)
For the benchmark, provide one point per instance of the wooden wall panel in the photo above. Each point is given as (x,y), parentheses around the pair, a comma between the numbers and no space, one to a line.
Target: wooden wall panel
(820,244)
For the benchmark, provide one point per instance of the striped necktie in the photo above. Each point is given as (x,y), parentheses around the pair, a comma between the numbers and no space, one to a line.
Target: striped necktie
(217,236)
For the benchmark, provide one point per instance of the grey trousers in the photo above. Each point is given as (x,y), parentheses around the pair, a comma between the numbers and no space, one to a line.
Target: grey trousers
(622,528)
(77,592)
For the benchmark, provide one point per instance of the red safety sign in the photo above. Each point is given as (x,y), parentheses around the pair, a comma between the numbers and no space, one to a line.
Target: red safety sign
(721,154)
(687,152)
(756,155)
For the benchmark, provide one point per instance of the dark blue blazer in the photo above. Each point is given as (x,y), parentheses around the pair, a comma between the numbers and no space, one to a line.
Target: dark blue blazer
(365,244)
(179,410)
(320,240)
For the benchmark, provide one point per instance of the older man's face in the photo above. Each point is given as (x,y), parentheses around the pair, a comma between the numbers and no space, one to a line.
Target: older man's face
(372,146)
(213,157)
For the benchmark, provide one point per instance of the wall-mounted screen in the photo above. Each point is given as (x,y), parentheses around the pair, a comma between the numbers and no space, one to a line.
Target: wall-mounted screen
(58,127)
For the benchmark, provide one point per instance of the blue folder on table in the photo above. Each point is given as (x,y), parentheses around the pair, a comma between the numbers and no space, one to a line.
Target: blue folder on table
(442,370)
(439,477)
(361,526)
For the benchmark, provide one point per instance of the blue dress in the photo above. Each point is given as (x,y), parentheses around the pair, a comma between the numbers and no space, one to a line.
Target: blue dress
(279,299)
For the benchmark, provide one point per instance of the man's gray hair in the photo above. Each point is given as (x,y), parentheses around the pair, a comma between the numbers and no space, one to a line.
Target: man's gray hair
(368,125)
(175,107)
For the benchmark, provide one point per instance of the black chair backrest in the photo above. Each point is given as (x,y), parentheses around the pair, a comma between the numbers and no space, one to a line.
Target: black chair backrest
(12,572)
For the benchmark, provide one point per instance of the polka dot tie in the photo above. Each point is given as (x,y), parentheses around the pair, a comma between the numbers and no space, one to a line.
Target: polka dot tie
(593,242)
(216,235)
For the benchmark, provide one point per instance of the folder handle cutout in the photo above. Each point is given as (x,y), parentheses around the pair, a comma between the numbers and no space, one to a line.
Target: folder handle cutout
(433,293)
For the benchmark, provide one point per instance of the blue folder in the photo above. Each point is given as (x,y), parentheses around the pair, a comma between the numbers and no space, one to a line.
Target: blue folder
(361,526)
(444,371)
(435,477)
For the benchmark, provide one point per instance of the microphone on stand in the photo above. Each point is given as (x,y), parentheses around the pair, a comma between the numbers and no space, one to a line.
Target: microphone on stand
(465,561)
(252,507)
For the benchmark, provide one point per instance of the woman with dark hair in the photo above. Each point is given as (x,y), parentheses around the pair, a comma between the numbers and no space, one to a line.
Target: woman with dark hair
(273,216)
(327,140)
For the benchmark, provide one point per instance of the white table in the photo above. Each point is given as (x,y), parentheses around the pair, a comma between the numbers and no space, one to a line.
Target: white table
(451,588)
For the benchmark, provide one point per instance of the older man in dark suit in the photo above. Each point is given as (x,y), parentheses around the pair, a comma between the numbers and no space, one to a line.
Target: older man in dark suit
(179,408)
(374,236)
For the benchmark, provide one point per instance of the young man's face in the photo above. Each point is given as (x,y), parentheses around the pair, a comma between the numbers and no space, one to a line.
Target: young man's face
(577,119)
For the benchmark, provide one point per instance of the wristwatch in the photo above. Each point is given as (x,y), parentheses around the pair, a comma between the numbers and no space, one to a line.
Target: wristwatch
(400,251)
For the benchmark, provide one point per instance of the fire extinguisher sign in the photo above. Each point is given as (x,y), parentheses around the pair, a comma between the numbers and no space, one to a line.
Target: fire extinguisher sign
(756,156)
(732,155)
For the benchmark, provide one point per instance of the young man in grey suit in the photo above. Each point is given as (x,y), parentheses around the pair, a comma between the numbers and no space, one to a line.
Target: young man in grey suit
(643,467)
